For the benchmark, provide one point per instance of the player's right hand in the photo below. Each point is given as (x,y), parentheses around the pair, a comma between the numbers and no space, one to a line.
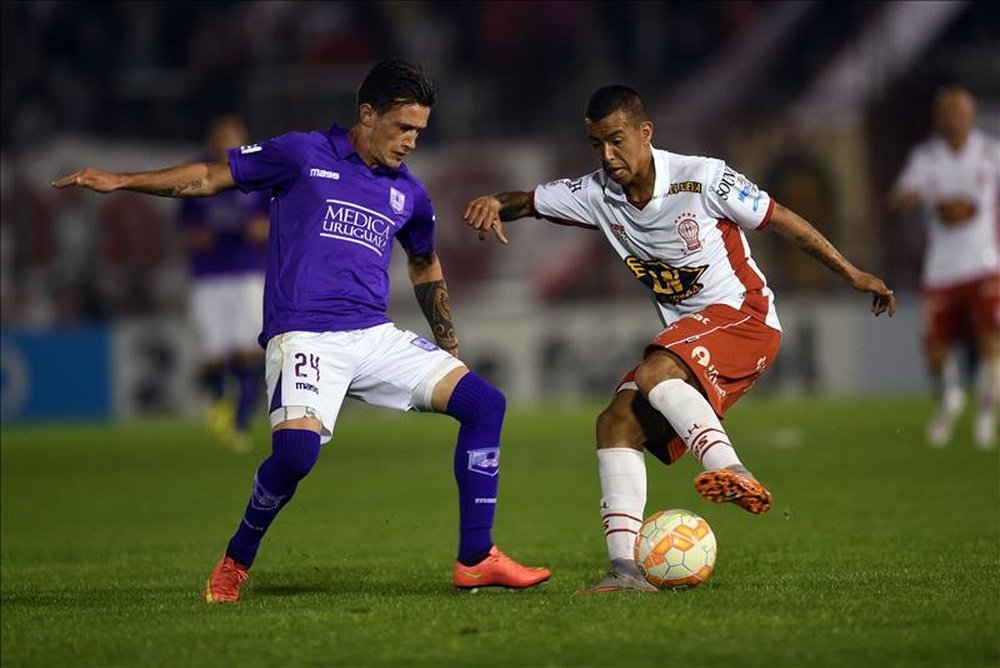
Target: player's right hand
(94,179)
(483,214)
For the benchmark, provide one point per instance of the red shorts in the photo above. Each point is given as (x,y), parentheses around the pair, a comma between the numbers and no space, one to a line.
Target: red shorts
(961,312)
(726,350)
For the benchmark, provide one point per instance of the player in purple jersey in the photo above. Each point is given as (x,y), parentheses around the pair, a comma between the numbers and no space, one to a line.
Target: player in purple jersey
(338,200)
(226,240)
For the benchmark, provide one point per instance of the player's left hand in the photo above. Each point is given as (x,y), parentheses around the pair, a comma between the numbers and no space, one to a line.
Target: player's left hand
(483,214)
(883,299)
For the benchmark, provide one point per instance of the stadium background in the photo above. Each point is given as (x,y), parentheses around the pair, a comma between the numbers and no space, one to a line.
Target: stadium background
(115,499)
(816,101)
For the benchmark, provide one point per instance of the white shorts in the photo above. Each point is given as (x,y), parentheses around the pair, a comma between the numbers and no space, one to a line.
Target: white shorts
(309,373)
(226,311)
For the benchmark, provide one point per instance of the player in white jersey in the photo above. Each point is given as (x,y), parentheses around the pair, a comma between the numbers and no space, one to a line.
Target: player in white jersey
(678,224)
(954,180)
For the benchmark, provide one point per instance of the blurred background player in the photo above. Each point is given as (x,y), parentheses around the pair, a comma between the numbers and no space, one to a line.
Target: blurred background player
(341,198)
(226,240)
(953,180)
(677,222)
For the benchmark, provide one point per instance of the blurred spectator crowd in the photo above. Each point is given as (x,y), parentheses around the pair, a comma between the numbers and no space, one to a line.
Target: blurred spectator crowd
(507,70)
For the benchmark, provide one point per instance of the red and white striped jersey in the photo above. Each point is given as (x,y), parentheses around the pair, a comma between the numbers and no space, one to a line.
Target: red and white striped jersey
(687,244)
(971,249)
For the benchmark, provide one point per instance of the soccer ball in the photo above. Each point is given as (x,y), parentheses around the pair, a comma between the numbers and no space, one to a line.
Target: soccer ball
(675,548)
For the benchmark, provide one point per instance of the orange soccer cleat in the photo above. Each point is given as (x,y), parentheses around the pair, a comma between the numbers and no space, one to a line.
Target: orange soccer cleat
(724,485)
(225,581)
(498,570)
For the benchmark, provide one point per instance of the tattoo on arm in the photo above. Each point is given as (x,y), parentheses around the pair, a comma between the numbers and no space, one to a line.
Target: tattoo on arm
(434,302)
(816,245)
(514,205)
(178,190)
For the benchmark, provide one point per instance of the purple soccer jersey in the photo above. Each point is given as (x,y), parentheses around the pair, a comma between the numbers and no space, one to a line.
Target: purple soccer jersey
(227,216)
(333,220)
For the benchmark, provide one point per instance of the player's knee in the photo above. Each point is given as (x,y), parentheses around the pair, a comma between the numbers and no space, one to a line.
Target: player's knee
(618,427)
(474,400)
(659,366)
(295,451)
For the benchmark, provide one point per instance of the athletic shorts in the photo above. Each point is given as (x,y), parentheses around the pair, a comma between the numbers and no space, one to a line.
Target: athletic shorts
(726,350)
(309,373)
(226,311)
(961,312)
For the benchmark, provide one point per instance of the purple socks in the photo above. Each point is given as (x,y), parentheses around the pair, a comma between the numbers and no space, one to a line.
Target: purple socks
(479,407)
(294,451)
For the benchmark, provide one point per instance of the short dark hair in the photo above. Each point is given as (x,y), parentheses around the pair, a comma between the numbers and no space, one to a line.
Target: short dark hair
(394,82)
(616,97)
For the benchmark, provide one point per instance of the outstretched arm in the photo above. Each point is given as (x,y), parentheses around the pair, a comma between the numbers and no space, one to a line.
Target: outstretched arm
(792,226)
(432,295)
(486,213)
(199,179)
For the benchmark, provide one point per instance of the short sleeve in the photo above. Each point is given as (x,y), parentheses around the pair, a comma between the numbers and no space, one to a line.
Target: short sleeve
(417,235)
(911,179)
(270,164)
(732,196)
(565,201)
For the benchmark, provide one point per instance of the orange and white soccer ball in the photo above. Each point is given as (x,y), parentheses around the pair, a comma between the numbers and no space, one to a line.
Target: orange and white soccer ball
(675,548)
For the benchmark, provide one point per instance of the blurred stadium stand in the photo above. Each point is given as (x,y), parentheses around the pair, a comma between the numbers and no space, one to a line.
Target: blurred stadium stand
(817,101)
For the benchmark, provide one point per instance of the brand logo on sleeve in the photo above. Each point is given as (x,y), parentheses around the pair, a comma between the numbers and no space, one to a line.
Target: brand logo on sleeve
(485,461)
(397,200)
(324,174)
(250,148)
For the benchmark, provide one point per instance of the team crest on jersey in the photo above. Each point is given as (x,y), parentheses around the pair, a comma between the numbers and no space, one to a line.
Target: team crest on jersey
(485,461)
(670,285)
(687,228)
(397,200)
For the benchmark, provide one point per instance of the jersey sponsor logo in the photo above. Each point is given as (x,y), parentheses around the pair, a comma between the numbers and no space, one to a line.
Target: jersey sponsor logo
(670,285)
(748,190)
(309,387)
(324,174)
(684,187)
(397,200)
(352,222)
(703,357)
(421,342)
(744,188)
(485,461)
(687,228)
(250,148)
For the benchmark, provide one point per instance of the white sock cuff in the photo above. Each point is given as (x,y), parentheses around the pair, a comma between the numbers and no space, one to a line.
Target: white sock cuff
(620,461)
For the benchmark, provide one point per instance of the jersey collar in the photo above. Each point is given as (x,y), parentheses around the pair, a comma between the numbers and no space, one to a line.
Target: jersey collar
(344,149)
(661,184)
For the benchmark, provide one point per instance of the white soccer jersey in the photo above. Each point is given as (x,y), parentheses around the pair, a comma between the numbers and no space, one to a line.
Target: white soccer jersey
(969,250)
(687,244)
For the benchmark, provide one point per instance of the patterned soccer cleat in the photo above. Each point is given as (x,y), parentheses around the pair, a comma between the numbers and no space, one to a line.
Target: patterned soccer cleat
(225,581)
(723,485)
(498,570)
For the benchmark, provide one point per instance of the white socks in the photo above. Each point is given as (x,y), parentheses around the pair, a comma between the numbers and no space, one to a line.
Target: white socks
(623,498)
(693,419)
(988,395)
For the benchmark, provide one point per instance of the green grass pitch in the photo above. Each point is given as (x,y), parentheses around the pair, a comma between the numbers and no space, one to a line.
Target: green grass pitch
(877,551)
